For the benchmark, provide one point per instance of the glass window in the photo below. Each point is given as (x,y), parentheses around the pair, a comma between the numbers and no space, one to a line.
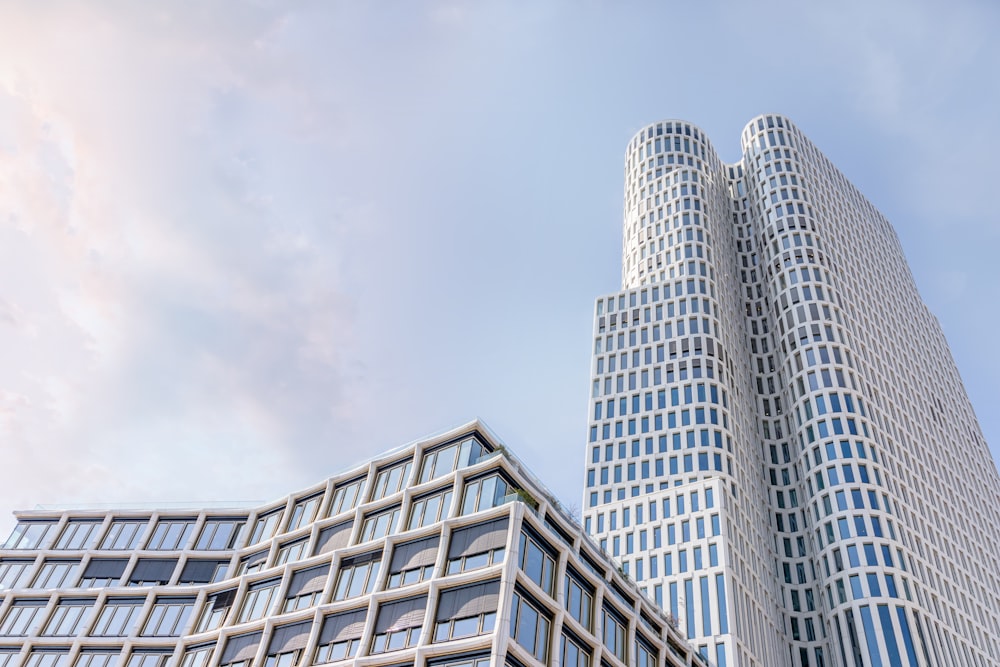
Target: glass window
(95,658)
(477,546)
(258,600)
(412,562)
(430,509)
(467,611)
(536,561)
(149,658)
(264,527)
(574,652)
(219,534)
(391,479)
(579,599)
(292,551)
(118,617)
(484,493)
(645,655)
(340,636)
(254,562)
(102,572)
(304,511)
(152,572)
(57,574)
(446,459)
(216,610)
(357,575)
(379,524)
(529,626)
(398,624)
(240,650)
(20,617)
(123,534)
(47,658)
(615,633)
(78,534)
(306,588)
(469,661)
(28,535)
(197,571)
(198,656)
(346,495)
(12,572)
(169,617)
(8,656)
(171,534)
(69,617)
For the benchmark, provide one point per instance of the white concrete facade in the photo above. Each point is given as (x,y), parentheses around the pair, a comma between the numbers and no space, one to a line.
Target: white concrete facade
(781,451)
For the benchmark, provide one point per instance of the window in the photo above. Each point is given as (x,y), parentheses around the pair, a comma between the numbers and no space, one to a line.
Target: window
(253,563)
(149,658)
(306,588)
(28,535)
(429,509)
(574,652)
(123,534)
(12,572)
(198,571)
(645,654)
(340,636)
(20,617)
(398,624)
(390,480)
(469,661)
(47,658)
(69,617)
(346,496)
(536,561)
(171,535)
(379,524)
(99,657)
(304,511)
(152,572)
(219,534)
(216,610)
(240,650)
(57,574)
(579,599)
(169,617)
(412,562)
(258,600)
(102,572)
(615,633)
(477,546)
(467,611)
(264,527)
(292,551)
(78,534)
(118,618)
(334,537)
(198,656)
(357,575)
(484,493)
(446,459)
(529,626)
(287,643)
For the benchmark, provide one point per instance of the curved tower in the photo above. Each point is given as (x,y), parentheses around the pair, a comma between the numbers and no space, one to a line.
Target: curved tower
(781,451)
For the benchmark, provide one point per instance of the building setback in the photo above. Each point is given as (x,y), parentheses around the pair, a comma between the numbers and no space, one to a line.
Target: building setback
(445,552)
(781,452)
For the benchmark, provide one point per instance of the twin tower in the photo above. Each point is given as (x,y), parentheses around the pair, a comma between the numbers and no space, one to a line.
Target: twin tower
(781,452)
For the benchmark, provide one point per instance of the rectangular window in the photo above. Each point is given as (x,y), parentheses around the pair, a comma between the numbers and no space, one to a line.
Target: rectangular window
(198,656)
(346,496)
(152,572)
(12,572)
(69,617)
(579,599)
(171,535)
(203,571)
(380,524)
(28,535)
(241,650)
(47,658)
(264,527)
(536,561)
(149,658)
(216,610)
(529,626)
(292,551)
(287,644)
(20,617)
(413,562)
(391,479)
(398,624)
(430,509)
(95,658)
(219,534)
(574,652)
(258,600)
(333,538)
(357,575)
(484,493)
(467,611)
(124,534)
(304,511)
(78,534)
(57,574)
(169,617)
(645,654)
(254,562)
(306,588)
(102,572)
(477,546)
(452,457)
(118,617)
(615,633)
(340,636)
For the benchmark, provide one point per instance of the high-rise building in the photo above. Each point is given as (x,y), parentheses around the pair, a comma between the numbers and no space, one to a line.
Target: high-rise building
(781,452)
(446,552)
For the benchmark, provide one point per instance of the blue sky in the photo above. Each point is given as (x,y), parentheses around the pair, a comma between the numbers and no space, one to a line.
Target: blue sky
(242,250)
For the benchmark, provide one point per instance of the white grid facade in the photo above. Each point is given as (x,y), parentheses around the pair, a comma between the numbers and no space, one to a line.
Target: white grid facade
(774,408)
(446,552)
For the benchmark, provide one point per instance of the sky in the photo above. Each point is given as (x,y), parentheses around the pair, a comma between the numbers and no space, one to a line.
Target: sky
(244,247)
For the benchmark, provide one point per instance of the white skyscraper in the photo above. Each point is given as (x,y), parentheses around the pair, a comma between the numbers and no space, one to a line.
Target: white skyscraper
(781,451)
